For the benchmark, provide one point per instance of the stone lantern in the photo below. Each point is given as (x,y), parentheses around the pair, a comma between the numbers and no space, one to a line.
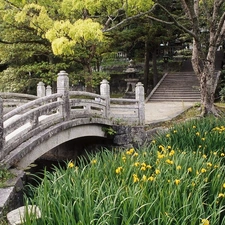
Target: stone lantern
(131,80)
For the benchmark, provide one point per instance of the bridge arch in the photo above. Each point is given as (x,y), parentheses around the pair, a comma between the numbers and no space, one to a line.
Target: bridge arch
(47,140)
(60,138)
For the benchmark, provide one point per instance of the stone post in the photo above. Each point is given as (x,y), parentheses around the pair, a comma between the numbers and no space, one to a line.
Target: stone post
(48,90)
(40,89)
(140,96)
(63,88)
(105,92)
(1,128)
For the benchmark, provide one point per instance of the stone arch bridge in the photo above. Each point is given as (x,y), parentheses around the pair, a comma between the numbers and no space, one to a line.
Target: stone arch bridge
(43,123)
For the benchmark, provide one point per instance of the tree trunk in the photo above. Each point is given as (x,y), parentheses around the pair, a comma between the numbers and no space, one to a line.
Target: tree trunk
(154,65)
(205,71)
(146,68)
(204,62)
(88,77)
(207,92)
(208,84)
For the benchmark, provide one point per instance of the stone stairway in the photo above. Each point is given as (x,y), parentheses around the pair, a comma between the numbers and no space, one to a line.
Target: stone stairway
(177,86)
(181,86)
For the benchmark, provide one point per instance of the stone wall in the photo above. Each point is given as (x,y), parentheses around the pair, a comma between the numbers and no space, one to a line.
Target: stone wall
(11,196)
(134,136)
(125,137)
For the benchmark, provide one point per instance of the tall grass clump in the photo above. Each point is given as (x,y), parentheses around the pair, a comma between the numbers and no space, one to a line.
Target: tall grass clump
(205,135)
(170,181)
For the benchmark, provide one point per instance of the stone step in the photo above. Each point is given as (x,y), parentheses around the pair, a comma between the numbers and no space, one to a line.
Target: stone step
(176,100)
(178,89)
(178,86)
(185,91)
(182,86)
(172,95)
(180,79)
(176,96)
(165,91)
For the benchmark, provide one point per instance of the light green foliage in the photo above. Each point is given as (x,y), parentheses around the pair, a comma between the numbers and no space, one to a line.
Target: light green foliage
(57,36)
(59,29)
(26,56)
(109,131)
(137,6)
(69,34)
(111,7)
(36,16)
(62,46)
(64,35)
(92,6)
(86,30)
(71,30)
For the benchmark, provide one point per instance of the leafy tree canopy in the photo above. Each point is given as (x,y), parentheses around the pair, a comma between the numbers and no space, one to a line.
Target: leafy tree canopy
(75,28)
(110,7)
(78,22)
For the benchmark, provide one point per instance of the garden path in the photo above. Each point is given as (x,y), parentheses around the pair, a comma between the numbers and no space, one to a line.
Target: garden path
(163,111)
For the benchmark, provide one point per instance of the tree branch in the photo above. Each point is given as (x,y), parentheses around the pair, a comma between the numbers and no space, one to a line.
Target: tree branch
(216,25)
(23,42)
(129,19)
(110,19)
(216,6)
(12,4)
(176,23)
(220,32)
(192,10)
(153,18)
(159,20)
(186,9)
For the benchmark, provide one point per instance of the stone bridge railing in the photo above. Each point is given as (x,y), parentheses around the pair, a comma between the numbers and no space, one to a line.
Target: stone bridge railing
(13,100)
(31,118)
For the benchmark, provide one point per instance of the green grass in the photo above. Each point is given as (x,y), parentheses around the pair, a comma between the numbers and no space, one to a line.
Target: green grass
(177,179)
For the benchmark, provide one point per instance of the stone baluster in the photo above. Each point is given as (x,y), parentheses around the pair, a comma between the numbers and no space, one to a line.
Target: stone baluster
(40,89)
(48,90)
(140,96)
(1,128)
(105,92)
(63,88)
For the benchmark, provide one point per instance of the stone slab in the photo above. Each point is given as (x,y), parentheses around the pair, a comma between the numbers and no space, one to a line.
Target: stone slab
(5,196)
(17,216)
(8,193)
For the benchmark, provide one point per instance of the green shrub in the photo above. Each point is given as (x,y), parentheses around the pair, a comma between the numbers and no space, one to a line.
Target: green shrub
(4,176)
